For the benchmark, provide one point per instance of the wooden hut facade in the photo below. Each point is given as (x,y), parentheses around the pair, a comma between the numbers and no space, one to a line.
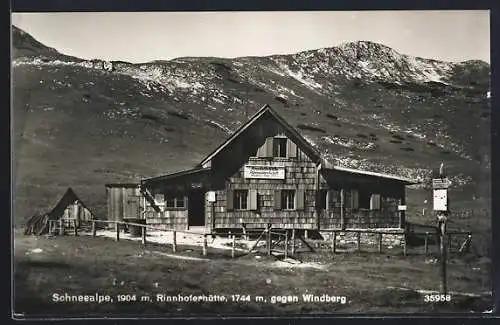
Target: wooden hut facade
(267,173)
(69,209)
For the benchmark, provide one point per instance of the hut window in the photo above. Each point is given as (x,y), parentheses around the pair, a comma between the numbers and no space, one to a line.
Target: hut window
(288,199)
(240,199)
(175,202)
(364,200)
(279,148)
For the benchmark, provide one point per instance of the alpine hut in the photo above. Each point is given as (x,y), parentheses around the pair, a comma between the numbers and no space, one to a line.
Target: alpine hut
(70,210)
(267,173)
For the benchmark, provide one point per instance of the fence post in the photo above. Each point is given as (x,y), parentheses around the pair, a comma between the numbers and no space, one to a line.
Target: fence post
(268,240)
(233,246)
(380,242)
(359,240)
(404,244)
(174,241)
(117,231)
(144,235)
(293,241)
(334,242)
(94,230)
(426,243)
(61,227)
(205,245)
(286,243)
(245,237)
(469,243)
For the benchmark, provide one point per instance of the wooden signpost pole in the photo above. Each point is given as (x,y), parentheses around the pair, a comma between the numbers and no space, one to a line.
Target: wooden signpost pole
(440,188)
(442,226)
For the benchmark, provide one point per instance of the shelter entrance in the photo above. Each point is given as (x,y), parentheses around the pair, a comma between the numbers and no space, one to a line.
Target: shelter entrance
(196,207)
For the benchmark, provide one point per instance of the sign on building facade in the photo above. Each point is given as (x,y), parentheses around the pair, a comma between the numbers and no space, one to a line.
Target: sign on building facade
(264,172)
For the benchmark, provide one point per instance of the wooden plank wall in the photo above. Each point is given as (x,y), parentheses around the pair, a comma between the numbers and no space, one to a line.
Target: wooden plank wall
(76,211)
(118,205)
(386,217)
(169,219)
(299,174)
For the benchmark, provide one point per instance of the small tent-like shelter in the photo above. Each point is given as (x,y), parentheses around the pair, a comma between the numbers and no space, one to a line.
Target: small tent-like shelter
(69,209)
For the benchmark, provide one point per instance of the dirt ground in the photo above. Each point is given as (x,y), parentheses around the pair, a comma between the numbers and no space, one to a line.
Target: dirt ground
(133,279)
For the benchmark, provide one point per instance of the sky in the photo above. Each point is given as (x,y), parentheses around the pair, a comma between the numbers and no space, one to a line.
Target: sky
(146,36)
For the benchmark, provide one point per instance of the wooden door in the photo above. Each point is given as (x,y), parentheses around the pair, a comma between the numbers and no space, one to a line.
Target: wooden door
(132,208)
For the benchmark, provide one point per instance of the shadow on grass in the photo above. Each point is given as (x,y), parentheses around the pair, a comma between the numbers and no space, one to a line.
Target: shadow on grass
(43,264)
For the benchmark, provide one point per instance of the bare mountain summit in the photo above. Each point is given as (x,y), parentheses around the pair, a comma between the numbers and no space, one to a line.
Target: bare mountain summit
(82,123)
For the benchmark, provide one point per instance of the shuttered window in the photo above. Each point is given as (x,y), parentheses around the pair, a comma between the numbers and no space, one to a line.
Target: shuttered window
(279,147)
(288,199)
(240,201)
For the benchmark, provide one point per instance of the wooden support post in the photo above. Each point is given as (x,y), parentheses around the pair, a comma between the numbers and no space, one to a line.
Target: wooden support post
(444,286)
(233,246)
(293,241)
(404,245)
(269,240)
(380,242)
(359,240)
(342,207)
(117,231)
(244,228)
(426,243)
(469,243)
(61,227)
(94,229)
(334,242)
(76,228)
(144,235)
(286,243)
(306,234)
(174,241)
(205,245)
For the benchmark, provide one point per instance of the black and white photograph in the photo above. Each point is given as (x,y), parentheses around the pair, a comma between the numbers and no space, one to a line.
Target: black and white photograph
(246,163)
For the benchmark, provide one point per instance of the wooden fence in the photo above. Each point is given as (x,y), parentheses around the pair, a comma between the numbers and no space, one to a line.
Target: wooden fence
(272,236)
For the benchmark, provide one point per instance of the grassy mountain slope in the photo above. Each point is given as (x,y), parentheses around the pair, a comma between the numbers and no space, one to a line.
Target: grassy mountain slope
(84,123)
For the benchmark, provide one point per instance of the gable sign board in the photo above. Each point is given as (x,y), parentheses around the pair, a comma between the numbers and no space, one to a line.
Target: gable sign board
(440,199)
(211,196)
(440,183)
(401,207)
(264,172)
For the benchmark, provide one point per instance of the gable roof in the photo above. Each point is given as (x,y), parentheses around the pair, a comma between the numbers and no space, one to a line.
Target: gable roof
(405,180)
(68,198)
(174,175)
(298,138)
